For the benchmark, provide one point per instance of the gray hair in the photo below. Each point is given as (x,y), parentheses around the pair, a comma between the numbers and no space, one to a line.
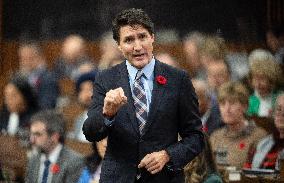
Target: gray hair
(260,55)
(53,122)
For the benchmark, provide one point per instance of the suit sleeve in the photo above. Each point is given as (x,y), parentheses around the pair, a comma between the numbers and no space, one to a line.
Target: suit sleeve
(189,125)
(94,127)
(74,170)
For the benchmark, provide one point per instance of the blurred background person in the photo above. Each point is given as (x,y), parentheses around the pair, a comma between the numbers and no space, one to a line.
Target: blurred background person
(192,44)
(202,169)
(231,143)
(52,161)
(84,88)
(267,153)
(110,54)
(264,75)
(212,50)
(33,66)
(275,42)
(260,54)
(218,73)
(167,59)
(91,173)
(20,103)
(210,114)
(73,59)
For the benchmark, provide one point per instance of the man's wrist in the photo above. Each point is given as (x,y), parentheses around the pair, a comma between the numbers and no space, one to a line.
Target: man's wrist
(166,155)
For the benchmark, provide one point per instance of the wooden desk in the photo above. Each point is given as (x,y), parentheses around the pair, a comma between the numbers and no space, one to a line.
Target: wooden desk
(13,156)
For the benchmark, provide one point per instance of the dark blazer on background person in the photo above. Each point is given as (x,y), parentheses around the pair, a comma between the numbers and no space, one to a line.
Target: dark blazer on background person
(214,120)
(47,89)
(70,165)
(173,111)
(24,118)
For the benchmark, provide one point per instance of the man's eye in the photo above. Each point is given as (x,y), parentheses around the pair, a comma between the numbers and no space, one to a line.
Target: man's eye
(143,36)
(128,40)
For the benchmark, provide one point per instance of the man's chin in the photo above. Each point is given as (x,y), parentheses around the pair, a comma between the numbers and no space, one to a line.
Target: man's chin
(39,150)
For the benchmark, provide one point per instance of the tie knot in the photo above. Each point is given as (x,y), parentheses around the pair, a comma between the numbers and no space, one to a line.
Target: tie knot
(139,74)
(47,163)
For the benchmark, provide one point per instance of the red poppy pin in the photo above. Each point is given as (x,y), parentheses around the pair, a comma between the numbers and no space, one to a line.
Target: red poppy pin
(161,80)
(242,145)
(55,168)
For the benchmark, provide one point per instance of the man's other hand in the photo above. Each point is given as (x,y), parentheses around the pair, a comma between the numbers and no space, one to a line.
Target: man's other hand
(155,161)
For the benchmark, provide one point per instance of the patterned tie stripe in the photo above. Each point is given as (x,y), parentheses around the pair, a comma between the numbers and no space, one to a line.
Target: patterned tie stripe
(140,101)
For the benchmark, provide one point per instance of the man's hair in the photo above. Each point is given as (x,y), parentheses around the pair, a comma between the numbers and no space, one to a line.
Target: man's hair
(33,44)
(53,122)
(131,17)
(267,68)
(233,90)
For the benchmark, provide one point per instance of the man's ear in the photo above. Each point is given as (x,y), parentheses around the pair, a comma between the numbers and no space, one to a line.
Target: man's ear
(55,137)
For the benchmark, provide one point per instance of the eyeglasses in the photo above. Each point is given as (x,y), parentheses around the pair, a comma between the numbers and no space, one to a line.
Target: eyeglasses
(37,134)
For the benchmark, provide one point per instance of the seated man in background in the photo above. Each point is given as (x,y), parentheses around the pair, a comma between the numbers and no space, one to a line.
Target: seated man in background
(33,66)
(53,162)
(267,153)
(231,143)
(73,59)
(210,114)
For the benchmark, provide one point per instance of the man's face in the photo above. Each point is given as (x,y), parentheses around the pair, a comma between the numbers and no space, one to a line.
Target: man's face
(28,59)
(85,94)
(217,74)
(136,44)
(262,85)
(232,111)
(39,137)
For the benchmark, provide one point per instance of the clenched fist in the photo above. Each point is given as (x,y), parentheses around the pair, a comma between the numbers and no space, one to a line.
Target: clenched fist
(113,101)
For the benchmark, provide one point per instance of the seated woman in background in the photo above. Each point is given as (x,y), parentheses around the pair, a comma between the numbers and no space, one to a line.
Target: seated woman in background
(265,75)
(203,167)
(19,104)
(266,153)
(230,144)
(91,173)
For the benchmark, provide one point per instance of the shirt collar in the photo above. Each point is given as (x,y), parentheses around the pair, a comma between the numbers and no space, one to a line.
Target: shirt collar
(53,156)
(147,70)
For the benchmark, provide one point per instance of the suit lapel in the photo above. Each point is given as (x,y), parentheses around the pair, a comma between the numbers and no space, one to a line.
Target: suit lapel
(59,162)
(36,166)
(124,83)
(157,95)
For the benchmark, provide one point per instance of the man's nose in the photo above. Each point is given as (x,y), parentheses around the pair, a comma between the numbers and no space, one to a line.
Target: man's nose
(137,45)
(32,139)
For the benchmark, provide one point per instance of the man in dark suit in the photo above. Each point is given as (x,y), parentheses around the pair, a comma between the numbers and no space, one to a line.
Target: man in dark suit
(142,105)
(209,111)
(52,162)
(33,67)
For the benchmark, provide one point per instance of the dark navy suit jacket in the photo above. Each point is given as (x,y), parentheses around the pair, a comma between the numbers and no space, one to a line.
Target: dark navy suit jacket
(173,111)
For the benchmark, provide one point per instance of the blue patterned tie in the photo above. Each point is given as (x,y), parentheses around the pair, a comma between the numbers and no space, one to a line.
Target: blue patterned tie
(45,171)
(140,101)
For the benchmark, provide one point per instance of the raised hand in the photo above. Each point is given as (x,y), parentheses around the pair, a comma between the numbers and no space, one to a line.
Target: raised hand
(113,101)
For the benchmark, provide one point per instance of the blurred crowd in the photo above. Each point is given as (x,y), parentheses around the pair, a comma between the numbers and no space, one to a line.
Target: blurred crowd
(240,95)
